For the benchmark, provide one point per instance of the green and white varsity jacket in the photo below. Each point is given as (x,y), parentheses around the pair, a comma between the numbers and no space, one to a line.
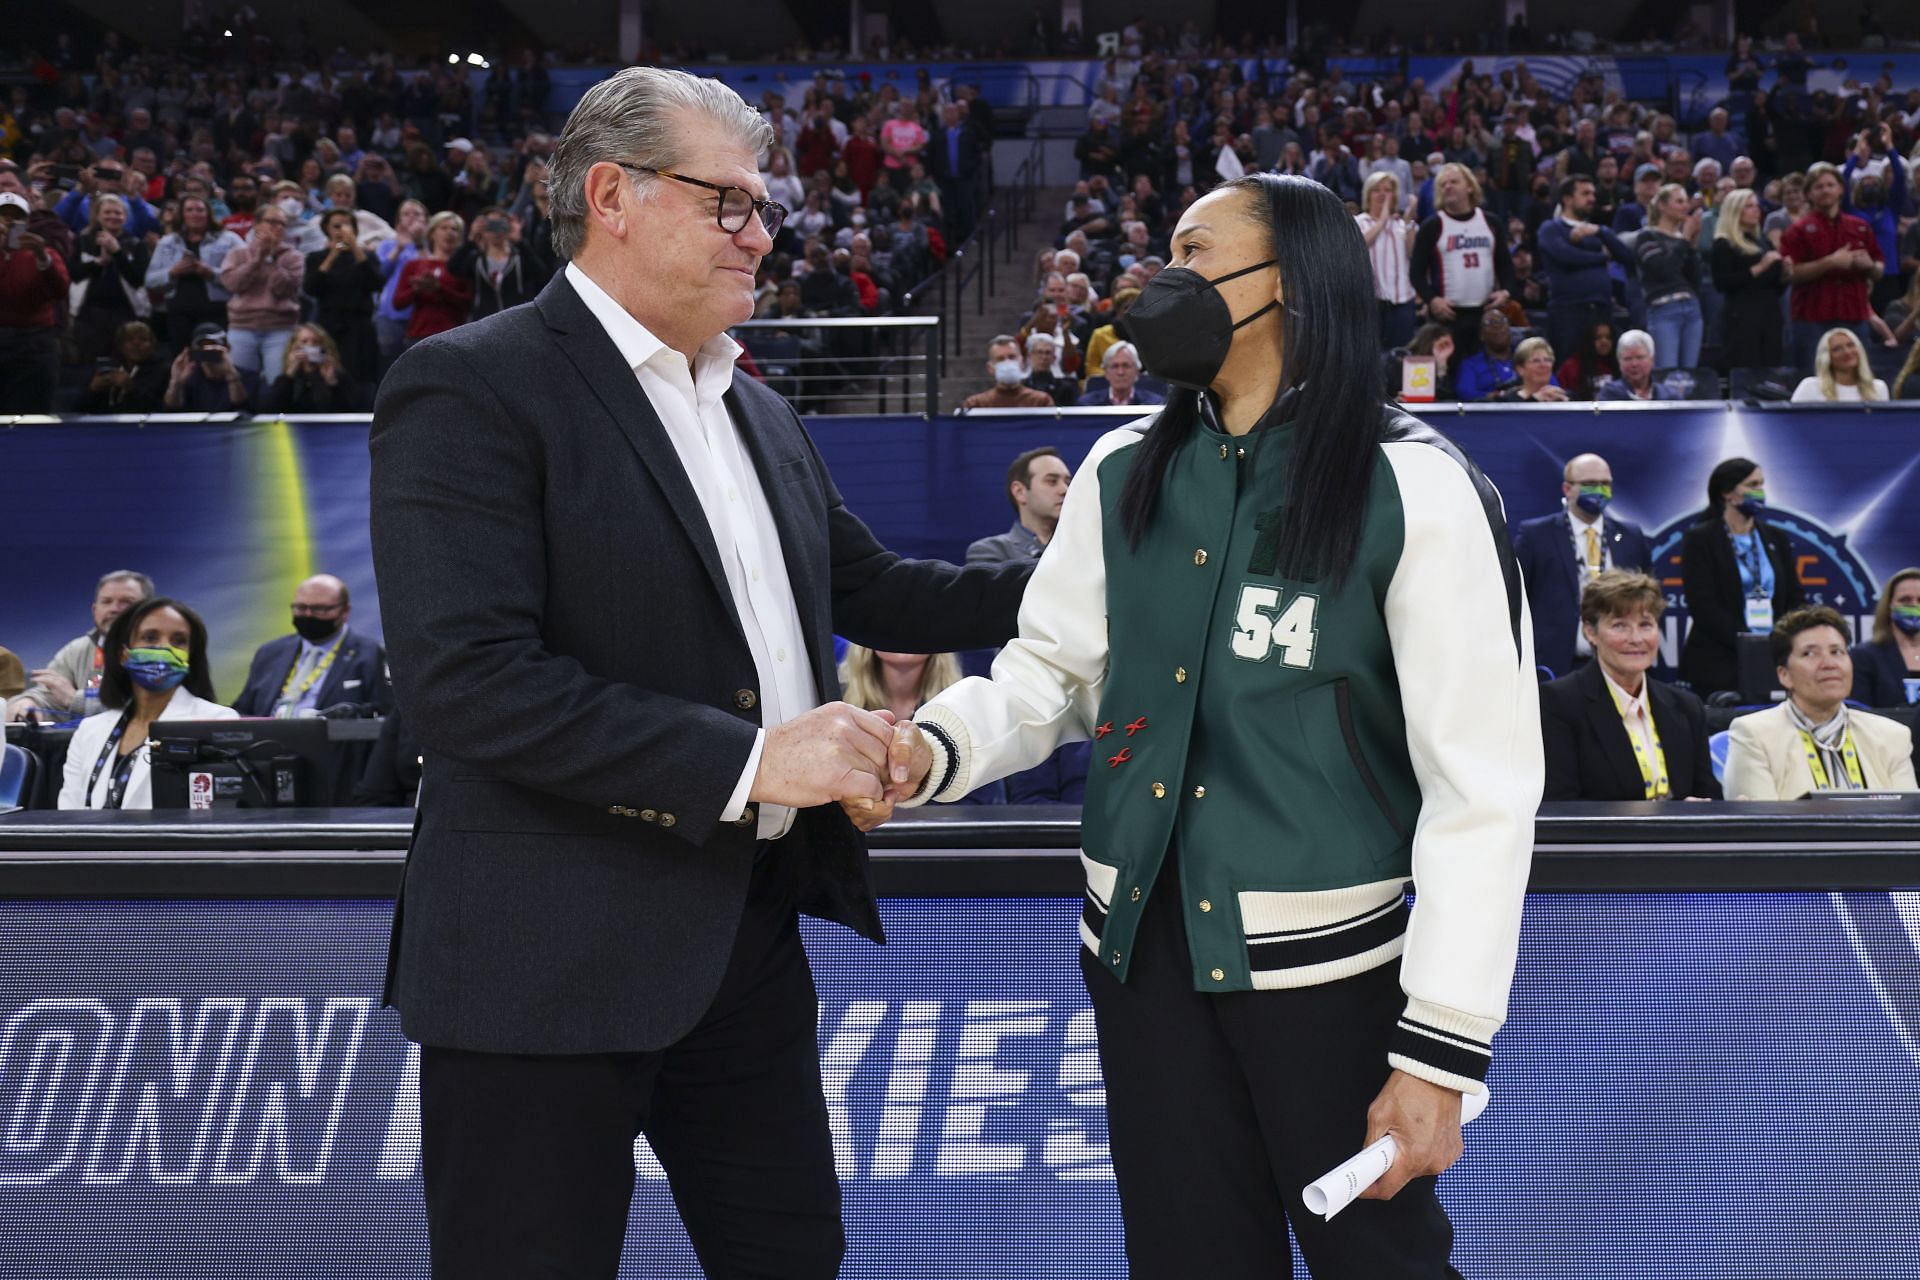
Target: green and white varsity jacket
(1310,749)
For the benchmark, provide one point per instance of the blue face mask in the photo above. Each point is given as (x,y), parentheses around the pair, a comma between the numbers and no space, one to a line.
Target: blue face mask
(1906,617)
(1594,498)
(157,670)
(1752,503)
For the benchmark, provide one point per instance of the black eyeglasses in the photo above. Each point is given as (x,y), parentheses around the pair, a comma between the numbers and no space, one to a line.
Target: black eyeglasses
(737,204)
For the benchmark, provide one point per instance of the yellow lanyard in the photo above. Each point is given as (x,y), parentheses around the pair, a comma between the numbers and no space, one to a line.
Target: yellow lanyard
(290,694)
(1653,765)
(1848,757)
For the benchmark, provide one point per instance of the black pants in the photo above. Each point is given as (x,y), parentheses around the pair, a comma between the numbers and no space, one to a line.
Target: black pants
(529,1160)
(29,369)
(1220,1108)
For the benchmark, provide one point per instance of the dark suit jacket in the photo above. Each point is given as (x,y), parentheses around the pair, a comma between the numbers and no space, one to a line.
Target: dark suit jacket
(567,654)
(1879,675)
(1544,548)
(358,675)
(1590,756)
(1717,606)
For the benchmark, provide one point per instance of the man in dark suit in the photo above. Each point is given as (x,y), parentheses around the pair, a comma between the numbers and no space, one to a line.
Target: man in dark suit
(1560,553)
(612,571)
(953,158)
(325,663)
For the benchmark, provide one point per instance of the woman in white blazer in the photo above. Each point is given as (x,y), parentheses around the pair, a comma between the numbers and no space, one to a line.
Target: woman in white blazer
(155,669)
(1812,741)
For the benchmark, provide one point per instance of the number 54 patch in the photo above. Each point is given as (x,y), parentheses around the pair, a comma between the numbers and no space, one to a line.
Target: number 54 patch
(1262,625)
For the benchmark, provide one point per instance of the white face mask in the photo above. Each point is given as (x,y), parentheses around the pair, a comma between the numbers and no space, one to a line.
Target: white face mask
(291,206)
(1008,373)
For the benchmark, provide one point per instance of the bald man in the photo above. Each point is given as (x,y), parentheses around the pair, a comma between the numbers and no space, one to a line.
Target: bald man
(1559,553)
(324,664)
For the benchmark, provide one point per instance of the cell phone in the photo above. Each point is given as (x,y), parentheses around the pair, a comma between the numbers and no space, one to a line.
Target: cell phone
(499,226)
(208,355)
(64,176)
(105,364)
(15,229)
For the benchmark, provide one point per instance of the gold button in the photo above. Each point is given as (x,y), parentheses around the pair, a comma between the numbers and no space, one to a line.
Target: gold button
(1243,453)
(616,810)
(1205,905)
(1116,957)
(1135,895)
(1199,793)
(667,819)
(1223,451)
(1159,791)
(648,815)
(1200,556)
(1219,975)
(745,699)
(1179,675)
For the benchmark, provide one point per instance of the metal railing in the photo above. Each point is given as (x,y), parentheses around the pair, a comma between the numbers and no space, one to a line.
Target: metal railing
(973,264)
(843,364)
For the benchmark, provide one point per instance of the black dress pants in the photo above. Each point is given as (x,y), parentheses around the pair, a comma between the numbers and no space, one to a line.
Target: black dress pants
(1220,1108)
(528,1160)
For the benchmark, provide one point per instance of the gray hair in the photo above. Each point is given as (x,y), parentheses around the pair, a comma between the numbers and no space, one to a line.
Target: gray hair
(1120,348)
(636,117)
(1635,338)
(134,576)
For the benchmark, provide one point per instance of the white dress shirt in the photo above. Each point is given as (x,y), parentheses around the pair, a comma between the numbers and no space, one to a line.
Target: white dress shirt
(717,463)
(1635,713)
(1599,527)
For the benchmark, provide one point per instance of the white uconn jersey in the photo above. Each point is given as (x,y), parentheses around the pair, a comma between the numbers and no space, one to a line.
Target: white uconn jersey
(1466,258)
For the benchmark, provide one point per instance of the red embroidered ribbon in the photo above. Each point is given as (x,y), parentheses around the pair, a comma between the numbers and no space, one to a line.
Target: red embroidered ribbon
(1114,762)
(1136,726)
(1103,731)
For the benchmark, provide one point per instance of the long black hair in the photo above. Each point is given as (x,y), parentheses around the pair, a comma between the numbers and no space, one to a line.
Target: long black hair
(1724,479)
(116,686)
(1330,335)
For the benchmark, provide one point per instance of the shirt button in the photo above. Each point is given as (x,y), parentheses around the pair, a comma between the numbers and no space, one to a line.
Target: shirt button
(1218,975)
(745,699)
(1135,895)
(1199,793)
(1200,556)
(756,575)
(733,495)
(781,656)
(1205,905)
(1223,451)
(1179,675)
(1159,791)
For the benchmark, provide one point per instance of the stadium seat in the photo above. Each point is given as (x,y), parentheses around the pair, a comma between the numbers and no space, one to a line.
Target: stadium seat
(1764,384)
(1717,748)
(18,769)
(1690,384)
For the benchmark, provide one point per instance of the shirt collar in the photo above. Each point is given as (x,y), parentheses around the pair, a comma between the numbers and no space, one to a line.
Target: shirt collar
(1023,535)
(1629,701)
(638,345)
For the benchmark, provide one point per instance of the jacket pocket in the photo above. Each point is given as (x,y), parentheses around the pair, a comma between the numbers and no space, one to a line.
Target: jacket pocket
(1361,833)
(1343,707)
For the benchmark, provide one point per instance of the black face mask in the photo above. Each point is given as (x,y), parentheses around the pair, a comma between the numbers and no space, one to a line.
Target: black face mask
(1184,328)
(312,629)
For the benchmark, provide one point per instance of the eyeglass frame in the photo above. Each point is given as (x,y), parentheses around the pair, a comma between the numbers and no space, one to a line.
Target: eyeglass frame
(760,206)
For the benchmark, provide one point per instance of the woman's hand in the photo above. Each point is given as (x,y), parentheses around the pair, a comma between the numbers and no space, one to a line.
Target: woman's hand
(182,366)
(1550,393)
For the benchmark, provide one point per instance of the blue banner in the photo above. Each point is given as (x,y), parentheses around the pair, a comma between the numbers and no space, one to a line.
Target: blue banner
(231,517)
(1688,1085)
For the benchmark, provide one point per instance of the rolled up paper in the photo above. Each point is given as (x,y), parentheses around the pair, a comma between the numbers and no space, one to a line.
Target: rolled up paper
(1330,1194)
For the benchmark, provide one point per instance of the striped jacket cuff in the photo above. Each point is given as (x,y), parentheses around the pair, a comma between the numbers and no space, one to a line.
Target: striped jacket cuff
(1443,1046)
(947,737)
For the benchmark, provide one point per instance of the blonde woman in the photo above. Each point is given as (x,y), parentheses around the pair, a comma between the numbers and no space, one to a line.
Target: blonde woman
(1840,371)
(1533,362)
(440,298)
(902,683)
(313,378)
(1389,235)
(1750,275)
(112,263)
(1670,275)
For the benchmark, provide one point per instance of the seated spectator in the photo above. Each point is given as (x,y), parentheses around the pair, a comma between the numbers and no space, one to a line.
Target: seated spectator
(264,275)
(155,669)
(185,272)
(1560,553)
(1533,362)
(1813,741)
(1010,390)
(314,379)
(1635,354)
(13,675)
(1107,334)
(1036,488)
(61,688)
(902,683)
(1840,372)
(1609,731)
(324,664)
(1123,375)
(438,296)
(1886,670)
(1435,340)
(1594,361)
(1750,276)
(204,380)
(344,280)
(1491,367)
(1739,575)
(1044,373)
(131,380)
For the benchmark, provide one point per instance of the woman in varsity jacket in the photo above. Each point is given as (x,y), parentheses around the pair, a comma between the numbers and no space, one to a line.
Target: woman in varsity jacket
(1288,618)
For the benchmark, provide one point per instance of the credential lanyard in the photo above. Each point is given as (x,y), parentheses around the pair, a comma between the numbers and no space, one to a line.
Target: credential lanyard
(122,769)
(1848,757)
(290,694)
(1653,764)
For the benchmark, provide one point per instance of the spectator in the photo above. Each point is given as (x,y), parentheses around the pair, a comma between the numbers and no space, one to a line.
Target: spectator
(185,272)
(1122,372)
(1036,487)
(155,669)
(1460,264)
(1632,215)
(204,379)
(1560,554)
(1533,364)
(1836,258)
(1886,670)
(1583,371)
(504,271)
(1670,276)
(1905,378)
(475,186)
(33,288)
(1750,276)
(107,177)
(783,184)
(874,680)
(131,380)
(1491,366)
(1840,372)
(1739,575)
(1103,337)
(1716,143)
(313,378)
(1389,238)
(1635,352)
(1009,380)
(1575,252)
(438,297)
(955,155)
(263,276)
(343,279)
(1435,341)
(408,243)
(1609,730)
(325,664)
(1044,373)
(1812,742)
(859,162)
(377,192)
(69,685)
(1510,167)
(110,268)
(1793,207)
(902,138)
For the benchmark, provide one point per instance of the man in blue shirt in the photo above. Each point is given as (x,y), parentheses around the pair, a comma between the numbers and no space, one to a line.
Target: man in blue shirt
(1716,143)
(110,176)
(1573,256)
(1491,367)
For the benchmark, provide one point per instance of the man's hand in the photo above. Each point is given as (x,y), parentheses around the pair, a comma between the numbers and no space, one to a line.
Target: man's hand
(1424,1120)
(1440,309)
(867,814)
(58,687)
(182,367)
(835,752)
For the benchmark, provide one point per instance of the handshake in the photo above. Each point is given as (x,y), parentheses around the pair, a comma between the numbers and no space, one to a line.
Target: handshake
(861,759)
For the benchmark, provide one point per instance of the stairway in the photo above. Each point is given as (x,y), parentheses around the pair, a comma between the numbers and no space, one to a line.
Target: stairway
(1009,300)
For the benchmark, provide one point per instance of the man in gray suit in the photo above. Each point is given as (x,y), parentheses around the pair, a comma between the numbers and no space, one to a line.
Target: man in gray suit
(1036,486)
(611,571)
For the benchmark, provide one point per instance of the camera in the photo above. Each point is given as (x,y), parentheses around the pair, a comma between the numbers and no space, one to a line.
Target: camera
(498,226)
(16,227)
(313,353)
(64,176)
(208,356)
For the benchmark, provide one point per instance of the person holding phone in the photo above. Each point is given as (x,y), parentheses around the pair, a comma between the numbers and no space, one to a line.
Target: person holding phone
(503,269)
(343,279)
(204,380)
(314,378)
(33,281)
(185,271)
(131,380)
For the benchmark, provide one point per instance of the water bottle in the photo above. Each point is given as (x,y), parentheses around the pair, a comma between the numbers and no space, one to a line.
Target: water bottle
(90,700)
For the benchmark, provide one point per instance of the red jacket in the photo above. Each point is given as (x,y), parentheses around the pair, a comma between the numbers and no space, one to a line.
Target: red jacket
(29,296)
(436,311)
(1839,297)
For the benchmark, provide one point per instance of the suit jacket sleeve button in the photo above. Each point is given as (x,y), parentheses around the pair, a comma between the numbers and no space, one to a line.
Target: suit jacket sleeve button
(648,815)
(615,810)
(746,817)
(667,819)
(746,700)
